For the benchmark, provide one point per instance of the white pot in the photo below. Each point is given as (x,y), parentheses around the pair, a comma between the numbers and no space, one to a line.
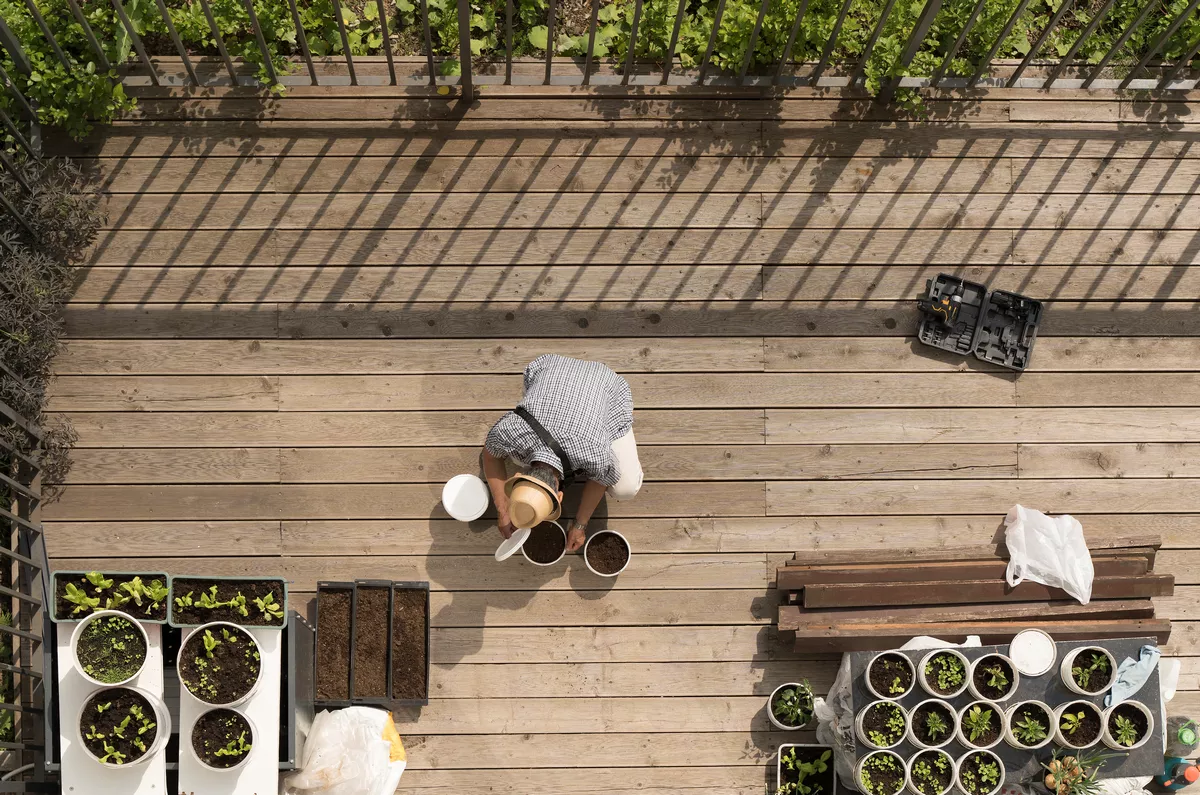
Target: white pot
(925,684)
(593,538)
(465,497)
(908,768)
(951,732)
(239,765)
(862,733)
(779,759)
(1068,662)
(162,720)
(1016,678)
(890,696)
(771,702)
(217,625)
(1063,739)
(1111,741)
(858,770)
(963,735)
(962,764)
(561,555)
(1010,736)
(78,633)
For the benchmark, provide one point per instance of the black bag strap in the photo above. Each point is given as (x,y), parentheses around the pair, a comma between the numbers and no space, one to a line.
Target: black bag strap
(551,442)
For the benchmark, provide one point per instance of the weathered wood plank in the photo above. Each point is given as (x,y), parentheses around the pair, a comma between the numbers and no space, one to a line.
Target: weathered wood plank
(694,606)
(792,617)
(865,638)
(201,538)
(1108,389)
(796,577)
(744,780)
(1147,460)
(1130,247)
(967,592)
(217,465)
(156,393)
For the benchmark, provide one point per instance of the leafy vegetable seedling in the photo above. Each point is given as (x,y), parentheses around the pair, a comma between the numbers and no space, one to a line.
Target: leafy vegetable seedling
(793,706)
(1030,730)
(977,722)
(803,773)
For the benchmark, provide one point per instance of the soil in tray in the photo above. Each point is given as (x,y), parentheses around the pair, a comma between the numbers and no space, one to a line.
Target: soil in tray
(930,731)
(1027,712)
(989,669)
(409,668)
(100,725)
(891,675)
(884,723)
(228,590)
(1089,725)
(932,772)
(972,770)
(1131,714)
(821,783)
(886,779)
(223,673)
(111,592)
(224,731)
(111,649)
(1091,666)
(546,543)
(608,553)
(370,642)
(333,645)
(981,736)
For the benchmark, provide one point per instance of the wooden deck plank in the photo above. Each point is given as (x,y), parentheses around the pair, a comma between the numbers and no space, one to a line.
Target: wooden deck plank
(744,780)
(1142,460)
(214,465)
(156,393)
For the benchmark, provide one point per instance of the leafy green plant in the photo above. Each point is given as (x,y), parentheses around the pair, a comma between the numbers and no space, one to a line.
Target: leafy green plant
(92,734)
(880,764)
(893,720)
(802,772)
(98,580)
(210,643)
(1126,733)
(79,597)
(185,600)
(793,706)
(977,721)
(935,725)
(997,678)
(235,747)
(1082,674)
(1071,721)
(896,687)
(112,755)
(267,606)
(1030,730)
(1074,774)
(948,671)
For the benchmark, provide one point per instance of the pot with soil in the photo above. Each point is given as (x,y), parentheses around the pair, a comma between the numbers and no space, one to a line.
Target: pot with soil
(1127,725)
(222,739)
(881,725)
(78,594)
(246,601)
(890,675)
(606,553)
(1077,725)
(932,724)
(981,724)
(993,677)
(980,772)
(943,673)
(546,545)
(1088,670)
(790,706)
(805,770)
(220,664)
(930,772)
(123,726)
(109,647)
(880,773)
(1029,725)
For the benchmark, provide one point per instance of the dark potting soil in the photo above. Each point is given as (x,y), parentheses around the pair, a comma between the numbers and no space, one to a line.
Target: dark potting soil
(938,776)
(1089,727)
(111,649)
(409,669)
(102,717)
(920,723)
(607,553)
(876,720)
(546,543)
(222,730)
(885,780)
(989,735)
(821,783)
(988,668)
(970,776)
(936,666)
(226,590)
(1031,712)
(1131,713)
(224,674)
(891,675)
(370,642)
(333,645)
(109,596)
(1097,679)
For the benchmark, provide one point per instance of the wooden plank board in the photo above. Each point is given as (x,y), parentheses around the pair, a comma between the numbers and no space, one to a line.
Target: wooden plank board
(744,780)
(156,393)
(862,638)
(793,617)
(1109,460)
(973,591)
(214,465)
(98,540)
(882,554)
(1109,389)
(795,577)
(692,607)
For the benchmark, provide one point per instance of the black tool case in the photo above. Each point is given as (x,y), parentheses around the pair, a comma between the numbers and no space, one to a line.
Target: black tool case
(998,326)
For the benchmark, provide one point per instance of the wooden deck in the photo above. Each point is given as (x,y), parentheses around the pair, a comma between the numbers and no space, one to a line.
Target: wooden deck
(303,317)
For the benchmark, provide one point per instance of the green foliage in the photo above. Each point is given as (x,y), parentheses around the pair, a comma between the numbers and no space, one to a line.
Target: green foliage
(237,747)
(802,771)
(894,723)
(1082,674)
(1030,730)
(977,721)
(267,606)
(112,755)
(935,725)
(1071,721)
(948,671)
(79,597)
(98,580)
(996,677)
(1126,733)
(793,706)
(880,764)
(210,643)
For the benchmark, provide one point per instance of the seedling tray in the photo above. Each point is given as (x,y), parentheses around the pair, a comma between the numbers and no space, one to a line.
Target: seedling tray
(999,327)
(1020,765)
(146,577)
(179,624)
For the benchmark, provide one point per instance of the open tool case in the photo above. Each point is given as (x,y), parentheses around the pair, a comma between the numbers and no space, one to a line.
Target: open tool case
(1000,327)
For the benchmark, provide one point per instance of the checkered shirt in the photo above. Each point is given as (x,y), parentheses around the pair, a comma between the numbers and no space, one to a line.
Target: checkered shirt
(584,405)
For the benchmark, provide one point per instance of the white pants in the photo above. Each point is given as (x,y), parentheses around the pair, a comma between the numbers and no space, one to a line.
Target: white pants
(625,451)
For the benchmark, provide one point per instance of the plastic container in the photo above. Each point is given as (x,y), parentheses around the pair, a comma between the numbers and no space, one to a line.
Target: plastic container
(908,771)
(1010,736)
(162,719)
(1063,738)
(1068,662)
(1033,652)
(146,577)
(82,625)
(959,336)
(861,732)
(964,735)
(925,683)
(561,555)
(175,579)
(858,769)
(216,625)
(223,770)
(588,544)
(951,727)
(779,765)
(1007,330)
(962,767)
(771,704)
(1106,735)
(1012,688)
(890,696)
(465,497)
(1182,736)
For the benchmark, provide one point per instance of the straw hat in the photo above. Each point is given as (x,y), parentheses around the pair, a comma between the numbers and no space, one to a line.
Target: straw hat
(533,498)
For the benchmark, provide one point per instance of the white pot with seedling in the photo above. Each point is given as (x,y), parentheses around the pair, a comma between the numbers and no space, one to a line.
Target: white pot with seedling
(110,648)
(881,725)
(943,673)
(1029,725)
(981,725)
(994,677)
(980,772)
(880,773)
(1077,725)
(1127,725)
(930,772)
(890,675)
(932,724)
(1088,670)
(804,770)
(790,706)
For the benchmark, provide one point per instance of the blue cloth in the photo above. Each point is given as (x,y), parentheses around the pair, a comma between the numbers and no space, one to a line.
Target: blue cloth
(1132,675)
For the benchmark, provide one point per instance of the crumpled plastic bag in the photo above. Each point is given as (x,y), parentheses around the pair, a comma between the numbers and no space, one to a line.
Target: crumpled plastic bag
(1050,550)
(345,754)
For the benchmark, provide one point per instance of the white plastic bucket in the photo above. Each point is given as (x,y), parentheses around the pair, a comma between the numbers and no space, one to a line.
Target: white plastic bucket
(962,766)
(890,696)
(1010,736)
(560,556)
(865,739)
(162,728)
(964,736)
(78,633)
(598,535)
(1062,738)
(951,730)
(771,704)
(1068,662)
(465,497)
(217,625)
(934,653)
(858,769)
(1012,689)
(244,759)
(1107,735)
(908,771)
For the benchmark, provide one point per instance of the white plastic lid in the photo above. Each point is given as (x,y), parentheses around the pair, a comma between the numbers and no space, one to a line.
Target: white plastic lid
(1033,652)
(465,497)
(514,542)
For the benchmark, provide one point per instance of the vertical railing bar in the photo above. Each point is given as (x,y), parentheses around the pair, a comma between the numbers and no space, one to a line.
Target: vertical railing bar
(827,52)
(341,24)
(1119,43)
(15,132)
(268,64)
(669,60)
(428,42)
(1078,43)
(633,32)
(220,41)
(1159,42)
(787,48)
(758,23)
(303,41)
(137,42)
(986,64)
(861,66)
(13,212)
(93,42)
(174,34)
(10,43)
(7,163)
(16,93)
(712,42)
(465,80)
(587,60)
(958,43)
(41,23)
(1192,52)
(550,14)
(387,42)
(915,39)
(1066,6)
(508,41)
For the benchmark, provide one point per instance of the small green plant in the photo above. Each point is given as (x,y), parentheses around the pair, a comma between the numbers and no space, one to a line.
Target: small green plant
(896,687)
(1075,774)
(185,600)
(112,755)
(1126,733)
(1030,730)
(119,729)
(267,606)
(894,723)
(793,706)
(990,773)
(210,643)
(925,774)
(997,678)
(948,671)
(879,764)
(98,580)
(935,725)
(208,599)
(135,589)
(157,592)
(1071,721)
(80,598)
(977,721)
(802,771)
(102,707)
(235,747)
(1082,674)
(92,734)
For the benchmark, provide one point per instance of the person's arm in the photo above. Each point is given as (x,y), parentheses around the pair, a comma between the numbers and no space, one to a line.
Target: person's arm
(593,492)
(493,470)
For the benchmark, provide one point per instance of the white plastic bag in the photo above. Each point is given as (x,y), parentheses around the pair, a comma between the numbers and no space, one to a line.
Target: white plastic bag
(1050,550)
(345,754)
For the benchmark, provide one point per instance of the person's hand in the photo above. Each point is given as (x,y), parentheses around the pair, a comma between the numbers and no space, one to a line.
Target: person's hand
(506,525)
(576,537)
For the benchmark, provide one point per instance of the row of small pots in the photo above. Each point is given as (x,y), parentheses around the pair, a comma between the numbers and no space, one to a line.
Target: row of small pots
(586,545)
(959,773)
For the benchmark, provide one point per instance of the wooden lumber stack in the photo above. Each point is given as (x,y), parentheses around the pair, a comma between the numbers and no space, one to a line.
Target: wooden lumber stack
(856,600)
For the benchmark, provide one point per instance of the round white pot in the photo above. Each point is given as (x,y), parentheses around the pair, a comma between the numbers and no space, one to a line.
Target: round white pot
(858,770)
(598,535)
(771,702)
(244,760)
(1108,737)
(951,732)
(963,734)
(962,766)
(1068,662)
(908,771)
(78,633)
(862,733)
(216,626)
(1016,678)
(1010,736)
(891,696)
(162,728)
(1064,739)
(925,683)
(556,560)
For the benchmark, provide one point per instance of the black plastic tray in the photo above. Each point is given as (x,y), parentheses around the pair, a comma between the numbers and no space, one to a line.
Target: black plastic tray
(999,327)
(332,703)
(960,336)
(410,586)
(385,699)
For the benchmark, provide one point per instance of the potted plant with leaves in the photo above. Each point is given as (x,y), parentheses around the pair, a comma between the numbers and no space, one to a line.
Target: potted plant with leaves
(1088,670)
(890,675)
(932,724)
(109,647)
(790,706)
(1030,725)
(881,725)
(993,678)
(1074,774)
(123,726)
(1077,725)
(1127,725)
(78,594)
(880,773)
(943,673)
(222,739)
(980,772)
(246,601)
(930,772)
(980,724)
(805,770)
(220,664)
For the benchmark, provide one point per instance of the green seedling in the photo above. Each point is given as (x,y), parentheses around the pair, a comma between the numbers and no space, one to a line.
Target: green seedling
(92,734)
(236,747)
(948,670)
(102,707)
(977,722)
(1030,730)
(208,599)
(120,728)
(792,705)
(896,688)
(997,679)
(157,592)
(112,755)
(1126,733)
(138,744)
(210,643)
(990,773)
(98,580)
(894,721)
(81,600)
(1071,721)
(935,726)
(135,589)
(880,763)
(803,771)
(267,606)
(1082,674)
(185,600)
